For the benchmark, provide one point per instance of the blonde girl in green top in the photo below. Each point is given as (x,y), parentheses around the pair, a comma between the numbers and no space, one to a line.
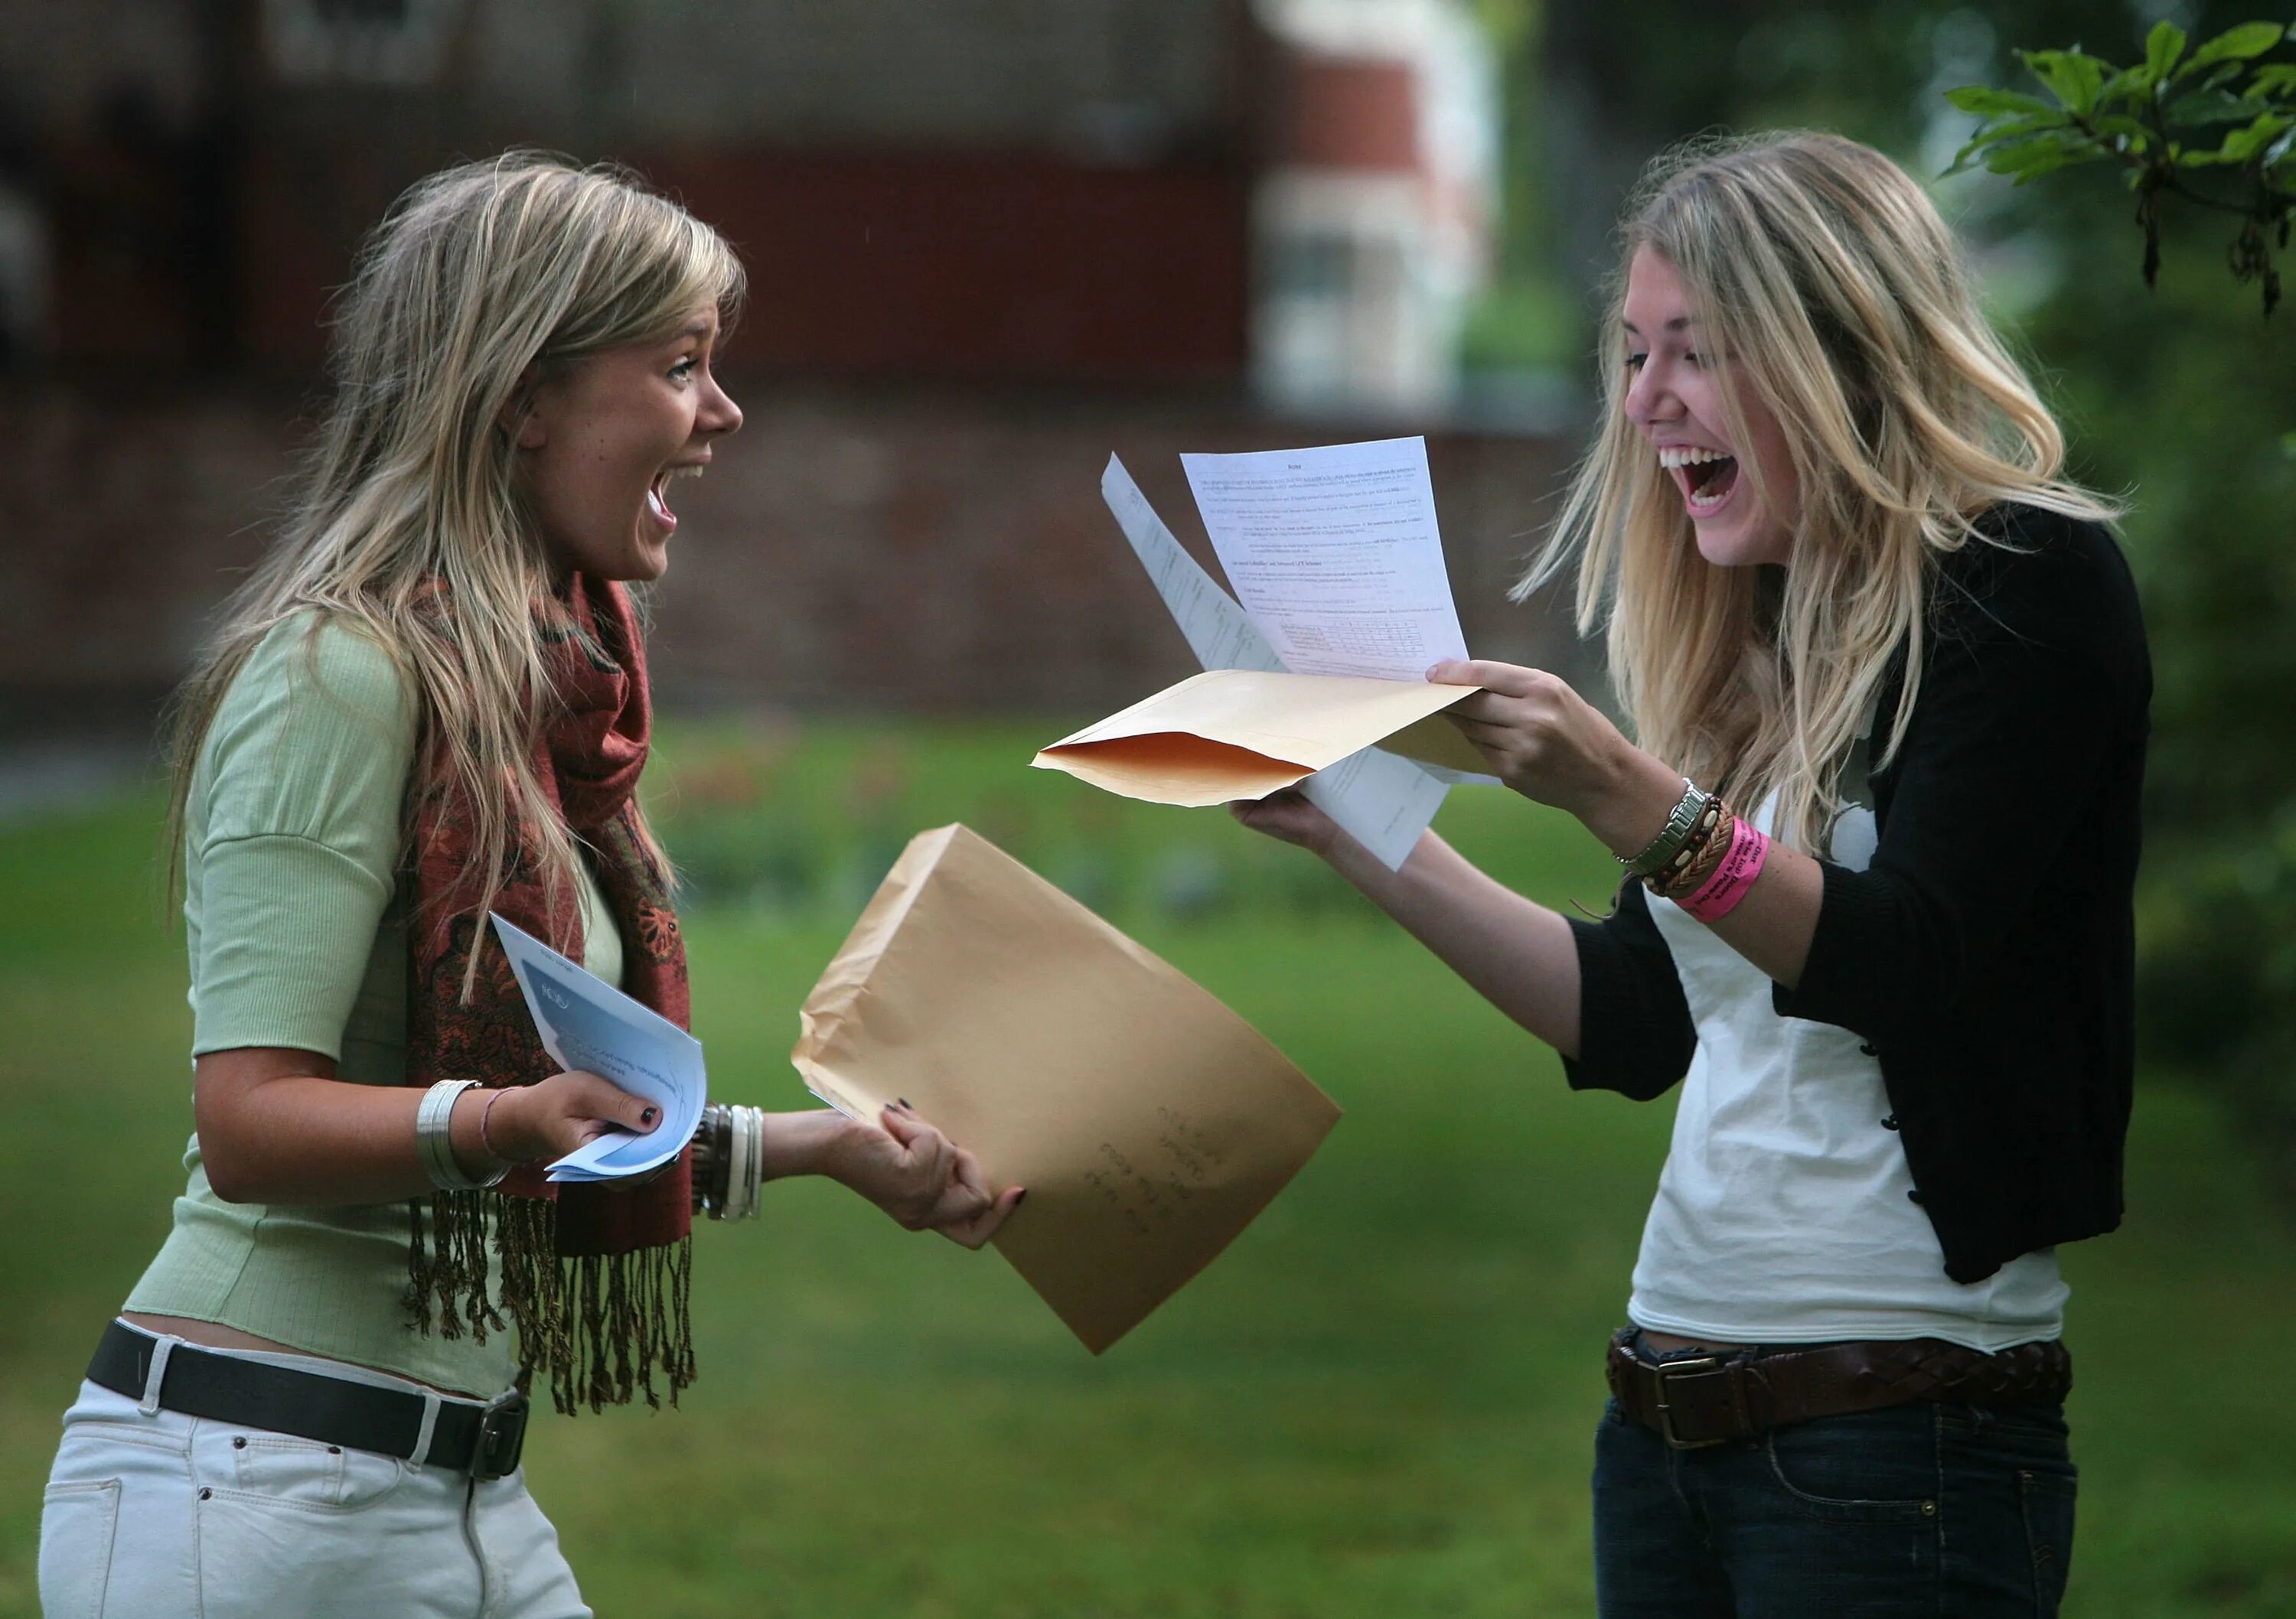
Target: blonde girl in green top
(430,703)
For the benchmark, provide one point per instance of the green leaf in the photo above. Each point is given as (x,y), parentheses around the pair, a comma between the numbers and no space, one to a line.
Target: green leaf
(2073,76)
(2030,158)
(2010,145)
(2275,78)
(1987,101)
(2237,45)
(2031,172)
(2162,47)
(2052,122)
(2133,85)
(2016,132)
(2200,108)
(2242,145)
(2216,77)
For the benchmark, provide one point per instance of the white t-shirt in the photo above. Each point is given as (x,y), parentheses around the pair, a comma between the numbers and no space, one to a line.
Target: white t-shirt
(1782,1215)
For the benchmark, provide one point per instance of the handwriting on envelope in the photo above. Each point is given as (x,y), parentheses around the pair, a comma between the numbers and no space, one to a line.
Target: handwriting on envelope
(1150,1124)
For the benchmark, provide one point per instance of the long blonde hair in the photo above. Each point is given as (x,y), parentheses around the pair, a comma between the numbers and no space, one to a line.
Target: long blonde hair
(1835,293)
(483,280)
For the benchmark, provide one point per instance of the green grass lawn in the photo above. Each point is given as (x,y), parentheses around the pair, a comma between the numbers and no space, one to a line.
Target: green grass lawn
(1379,1402)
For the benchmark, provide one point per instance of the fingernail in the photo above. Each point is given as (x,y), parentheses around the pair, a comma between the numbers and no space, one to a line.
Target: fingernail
(904,1101)
(649,1115)
(1020,1197)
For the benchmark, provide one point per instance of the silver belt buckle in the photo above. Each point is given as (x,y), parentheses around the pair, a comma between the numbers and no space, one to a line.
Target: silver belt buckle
(501,1438)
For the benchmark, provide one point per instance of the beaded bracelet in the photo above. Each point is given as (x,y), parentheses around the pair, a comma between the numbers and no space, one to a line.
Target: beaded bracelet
(1668,877)
(1698,857)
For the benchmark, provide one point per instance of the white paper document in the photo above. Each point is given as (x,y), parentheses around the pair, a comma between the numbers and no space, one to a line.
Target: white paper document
(1335,554)
(1382,801)
(587,1023)
(1218,632)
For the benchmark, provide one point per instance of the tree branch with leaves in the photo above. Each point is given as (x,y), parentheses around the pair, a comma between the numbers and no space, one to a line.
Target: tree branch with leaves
(2214,127)
(2210,129)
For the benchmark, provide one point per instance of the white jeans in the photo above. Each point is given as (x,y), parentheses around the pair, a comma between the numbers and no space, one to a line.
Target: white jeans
(158,1515)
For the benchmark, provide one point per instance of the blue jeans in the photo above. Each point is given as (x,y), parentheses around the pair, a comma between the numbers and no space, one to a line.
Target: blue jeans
(1940,1511)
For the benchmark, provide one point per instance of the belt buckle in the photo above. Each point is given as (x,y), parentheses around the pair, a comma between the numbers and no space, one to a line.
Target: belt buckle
(1661,1371)
(501,1438)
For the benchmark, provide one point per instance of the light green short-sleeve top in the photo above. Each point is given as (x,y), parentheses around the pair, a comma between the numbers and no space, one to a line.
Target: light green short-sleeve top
(297,931)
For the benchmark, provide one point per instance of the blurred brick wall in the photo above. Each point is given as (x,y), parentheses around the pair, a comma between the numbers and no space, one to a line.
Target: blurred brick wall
(901,265)
(969,189)
(1107,77)
(850,548)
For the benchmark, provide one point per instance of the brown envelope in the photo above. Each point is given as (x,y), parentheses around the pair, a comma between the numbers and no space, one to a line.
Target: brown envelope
(1149,1122)
(1244,733)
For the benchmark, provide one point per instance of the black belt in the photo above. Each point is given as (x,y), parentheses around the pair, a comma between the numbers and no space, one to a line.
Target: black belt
(482,1439)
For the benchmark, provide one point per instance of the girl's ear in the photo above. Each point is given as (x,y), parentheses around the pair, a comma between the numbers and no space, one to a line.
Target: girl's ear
(521,418)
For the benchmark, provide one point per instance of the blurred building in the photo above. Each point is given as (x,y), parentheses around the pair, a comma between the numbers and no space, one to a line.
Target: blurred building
(1372,210)
(989,240)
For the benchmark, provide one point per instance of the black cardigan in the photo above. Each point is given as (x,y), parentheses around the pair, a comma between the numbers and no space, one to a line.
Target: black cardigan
(1987,954)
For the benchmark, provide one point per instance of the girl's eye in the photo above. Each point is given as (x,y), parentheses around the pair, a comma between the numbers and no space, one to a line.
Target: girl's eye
(1690,358)
(1634,361)
(684,370)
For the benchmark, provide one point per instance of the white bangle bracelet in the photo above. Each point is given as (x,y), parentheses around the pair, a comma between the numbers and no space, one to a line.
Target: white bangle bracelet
(729,1161)
(433,1117)
(747,1167)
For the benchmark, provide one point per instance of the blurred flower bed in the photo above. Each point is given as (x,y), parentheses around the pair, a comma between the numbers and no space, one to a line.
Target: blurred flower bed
(797,821)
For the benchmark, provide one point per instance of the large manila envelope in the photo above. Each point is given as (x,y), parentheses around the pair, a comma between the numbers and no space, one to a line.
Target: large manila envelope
(1148,1121)
(1244,733)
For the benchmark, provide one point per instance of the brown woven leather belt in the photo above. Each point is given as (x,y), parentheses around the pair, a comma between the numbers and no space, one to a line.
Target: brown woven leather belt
(1711,1399)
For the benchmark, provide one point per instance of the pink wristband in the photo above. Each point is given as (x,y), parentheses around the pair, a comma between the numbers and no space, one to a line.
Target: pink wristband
(1720,895)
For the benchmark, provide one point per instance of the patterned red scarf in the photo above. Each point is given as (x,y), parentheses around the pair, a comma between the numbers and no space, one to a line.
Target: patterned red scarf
(596,1278)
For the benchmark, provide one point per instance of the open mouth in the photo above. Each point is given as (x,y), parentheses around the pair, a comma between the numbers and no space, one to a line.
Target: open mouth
(1706,477)
(657,493)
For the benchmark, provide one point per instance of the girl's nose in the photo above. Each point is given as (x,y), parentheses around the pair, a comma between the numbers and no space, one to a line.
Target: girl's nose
(720,414)
(1647,397)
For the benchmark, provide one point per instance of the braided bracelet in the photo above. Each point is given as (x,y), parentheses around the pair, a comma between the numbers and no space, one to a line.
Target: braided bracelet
(1742,863)
(1668,877)
(1698,857)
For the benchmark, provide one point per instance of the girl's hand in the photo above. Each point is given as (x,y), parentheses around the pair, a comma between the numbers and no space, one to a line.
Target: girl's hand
(1288,817)
(1549,744)
(921,1177)
(538,1122)
(1542,739)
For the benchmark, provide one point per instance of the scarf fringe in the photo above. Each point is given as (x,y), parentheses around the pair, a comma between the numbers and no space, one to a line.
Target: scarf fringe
(596,1326)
